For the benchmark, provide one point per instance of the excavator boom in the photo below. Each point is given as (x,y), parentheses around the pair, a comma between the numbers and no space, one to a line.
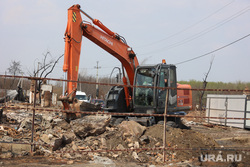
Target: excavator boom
(104,38)
(113,46)
(73,40)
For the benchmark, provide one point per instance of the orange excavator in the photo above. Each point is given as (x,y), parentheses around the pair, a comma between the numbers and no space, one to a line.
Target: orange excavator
(144,89)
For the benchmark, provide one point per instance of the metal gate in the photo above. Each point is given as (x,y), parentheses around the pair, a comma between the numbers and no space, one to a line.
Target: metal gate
(228,106)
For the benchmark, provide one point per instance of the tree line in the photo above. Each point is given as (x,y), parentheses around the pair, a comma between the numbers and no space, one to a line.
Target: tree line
(91,89)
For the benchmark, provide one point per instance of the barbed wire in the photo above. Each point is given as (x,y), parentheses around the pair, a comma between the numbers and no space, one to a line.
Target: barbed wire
(132,86)
(119,114)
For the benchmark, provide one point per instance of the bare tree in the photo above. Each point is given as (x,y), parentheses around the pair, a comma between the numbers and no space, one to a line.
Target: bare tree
(52,66)
(46,67)
(14,69)
(205,82)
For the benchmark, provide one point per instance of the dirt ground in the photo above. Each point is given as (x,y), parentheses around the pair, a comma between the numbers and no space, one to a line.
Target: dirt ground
(184,147)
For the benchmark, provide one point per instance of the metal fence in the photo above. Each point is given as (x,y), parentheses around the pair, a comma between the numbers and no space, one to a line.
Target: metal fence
(223,113)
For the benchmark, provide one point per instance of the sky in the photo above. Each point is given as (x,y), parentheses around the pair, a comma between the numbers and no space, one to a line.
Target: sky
(162,29)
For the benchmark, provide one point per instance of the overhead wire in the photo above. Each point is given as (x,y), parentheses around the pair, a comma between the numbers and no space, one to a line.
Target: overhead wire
(189,27)
(185,29)
(214,50)
(201,33)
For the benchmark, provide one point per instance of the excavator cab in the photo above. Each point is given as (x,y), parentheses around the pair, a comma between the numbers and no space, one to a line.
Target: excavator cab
(151,83)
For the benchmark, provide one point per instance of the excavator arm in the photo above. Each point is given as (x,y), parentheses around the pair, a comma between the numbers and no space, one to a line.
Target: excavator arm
(115,47)
(104,38)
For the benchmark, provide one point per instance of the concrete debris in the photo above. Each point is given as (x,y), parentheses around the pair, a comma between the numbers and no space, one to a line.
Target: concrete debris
(61,123)
(131,129)
(10,94)
(6,139)
(120,147)
(69,137)
(70,162)
(25,124)
(158,144)
(90,125)
(115,155)
(103,143)
(14,148)
(102,160)
(144,140)
(53,141)
(6,155)
(130,145)
(74,146)
(17,117)
(46,99)
(191,123)
(41,148)
(70,141)
(136,145)
(135,156)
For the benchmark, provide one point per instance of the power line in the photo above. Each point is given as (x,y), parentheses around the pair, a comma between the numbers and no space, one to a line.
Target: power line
(214,50)
(201,33)
(97,87)
(189,27)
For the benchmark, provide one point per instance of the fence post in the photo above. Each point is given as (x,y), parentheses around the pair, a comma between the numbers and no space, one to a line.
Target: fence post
(5,90)
(226,104)
(209,106)
(165,120)
(33,118)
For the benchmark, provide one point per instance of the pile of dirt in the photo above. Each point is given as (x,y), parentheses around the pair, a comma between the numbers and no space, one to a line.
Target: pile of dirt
(116,139)
(181,139)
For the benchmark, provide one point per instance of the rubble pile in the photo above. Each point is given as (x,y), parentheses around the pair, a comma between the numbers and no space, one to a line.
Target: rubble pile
(75,141)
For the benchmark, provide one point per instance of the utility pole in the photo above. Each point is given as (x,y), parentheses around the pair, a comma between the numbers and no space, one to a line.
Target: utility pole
(97,88)
(37,69)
